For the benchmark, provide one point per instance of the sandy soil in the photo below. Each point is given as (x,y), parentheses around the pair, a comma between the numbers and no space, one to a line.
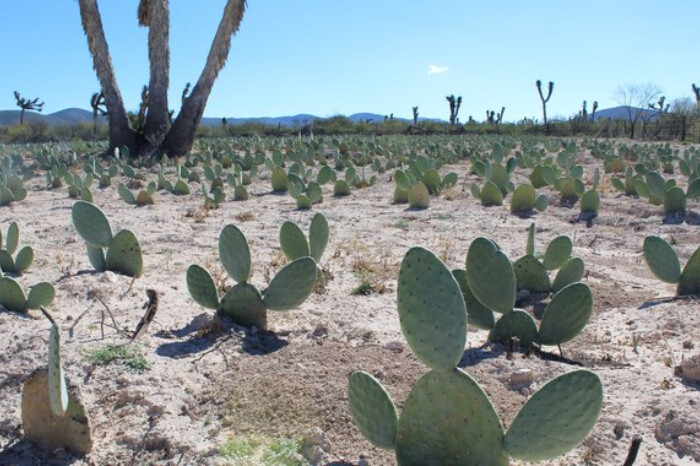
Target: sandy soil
(205,386)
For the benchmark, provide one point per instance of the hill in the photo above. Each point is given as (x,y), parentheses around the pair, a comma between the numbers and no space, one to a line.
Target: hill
(620,113)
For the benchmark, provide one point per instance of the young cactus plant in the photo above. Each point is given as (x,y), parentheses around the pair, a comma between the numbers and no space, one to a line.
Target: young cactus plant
(410,189)
(144,197)
(663,262)
(244,303)
(489,286)
(24,258)
(295,245)
(52,413)
(531,270)
(447,417)
(11,189)
(12,296)
(123,250)
(525,200)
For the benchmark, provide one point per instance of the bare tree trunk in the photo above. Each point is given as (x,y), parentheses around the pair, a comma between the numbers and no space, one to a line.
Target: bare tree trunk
(120,132)
(180,138)
(21,116)
(544,114)
(157,20)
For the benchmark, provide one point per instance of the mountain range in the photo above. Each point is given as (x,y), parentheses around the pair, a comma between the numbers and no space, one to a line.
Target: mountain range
(72,116)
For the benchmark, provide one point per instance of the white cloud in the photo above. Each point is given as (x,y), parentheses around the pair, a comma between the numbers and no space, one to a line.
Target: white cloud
(437,69)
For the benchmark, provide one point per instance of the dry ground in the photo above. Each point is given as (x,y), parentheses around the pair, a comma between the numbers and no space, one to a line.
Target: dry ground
(204,387)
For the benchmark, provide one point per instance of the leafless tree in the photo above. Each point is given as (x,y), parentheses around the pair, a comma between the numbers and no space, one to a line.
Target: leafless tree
(636,98)
(682,110)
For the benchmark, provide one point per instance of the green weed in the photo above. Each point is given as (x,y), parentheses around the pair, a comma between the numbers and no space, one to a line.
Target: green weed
(128,356)
(258,451)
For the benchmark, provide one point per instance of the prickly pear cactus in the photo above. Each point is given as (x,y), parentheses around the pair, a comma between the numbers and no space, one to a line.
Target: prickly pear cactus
(244,303)
(12,296)
(24,258)
(664,264)
(123,252)
(447,418)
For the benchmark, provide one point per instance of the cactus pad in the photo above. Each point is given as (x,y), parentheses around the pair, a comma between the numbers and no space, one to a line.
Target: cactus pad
(491,276)
(530,246)
(24,259)
(523,199)
(201,287)
(58,392)
(518,324)
(566,315)
(318,236)
(292,285)
(124,255)
(91,224)
(279,180)
(571,272)
(234,253)
(96,256)
(590,202)
(477,314)
(41,294)
(558,252)
(11,295)
(244,304)
(293,241)
(662,259)
(126,194)
(491,194)
(556,418)
(448,420)
(531,275)
(373,410)
(12,239)
(689,282)
(418,196)
(7,264)
(431,309)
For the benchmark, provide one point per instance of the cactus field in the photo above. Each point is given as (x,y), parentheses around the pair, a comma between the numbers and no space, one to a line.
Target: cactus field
(302,301)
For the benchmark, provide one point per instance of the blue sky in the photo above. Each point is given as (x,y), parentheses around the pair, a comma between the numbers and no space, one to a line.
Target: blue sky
(329,57)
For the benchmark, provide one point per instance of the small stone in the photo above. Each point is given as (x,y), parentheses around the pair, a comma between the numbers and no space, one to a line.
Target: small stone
(690,368)
(521,376)
(395,346)
(108,277)
(321,331)
(315,446)
(525,391)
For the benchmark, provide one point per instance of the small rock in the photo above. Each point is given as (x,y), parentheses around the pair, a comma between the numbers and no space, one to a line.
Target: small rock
(321,331)
(525,391)
(394,346)
(201,322)
(108,277)
(521,377)
(315,446)
(690,368)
